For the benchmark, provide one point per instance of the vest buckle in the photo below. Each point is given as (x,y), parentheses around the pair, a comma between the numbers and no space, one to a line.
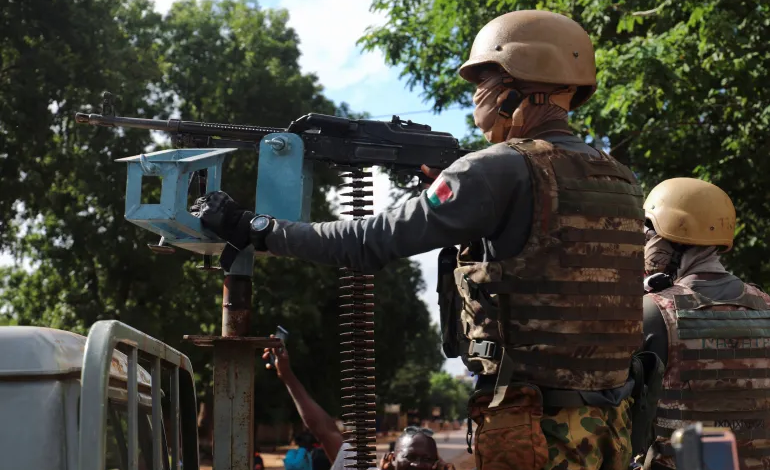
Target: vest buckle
(482,349)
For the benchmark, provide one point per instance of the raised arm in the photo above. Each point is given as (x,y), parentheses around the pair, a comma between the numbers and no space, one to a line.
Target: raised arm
(317,420)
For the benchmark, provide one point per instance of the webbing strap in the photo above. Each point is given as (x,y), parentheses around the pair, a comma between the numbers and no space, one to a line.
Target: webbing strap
(706,395)
(590,168)
(599,197)
(600,186)
(630,263)
(710,315)
(563,398)
(574,340)
(564,287)
(553,361)
(550,312)
(593,235)
(720,374)
(696,329)
(695,301)
(692,415)
(734,349)
(634,212)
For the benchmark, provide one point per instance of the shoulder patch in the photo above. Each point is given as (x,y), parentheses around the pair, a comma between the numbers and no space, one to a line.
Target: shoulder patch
(439,192)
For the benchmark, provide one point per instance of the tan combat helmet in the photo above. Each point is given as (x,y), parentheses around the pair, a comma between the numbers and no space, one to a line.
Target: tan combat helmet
(536,46)
(692,212)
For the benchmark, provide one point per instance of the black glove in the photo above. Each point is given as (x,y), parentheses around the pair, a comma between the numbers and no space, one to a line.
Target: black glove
(223,216)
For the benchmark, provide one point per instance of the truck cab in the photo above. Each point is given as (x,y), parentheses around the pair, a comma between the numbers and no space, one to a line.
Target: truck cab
(69,402)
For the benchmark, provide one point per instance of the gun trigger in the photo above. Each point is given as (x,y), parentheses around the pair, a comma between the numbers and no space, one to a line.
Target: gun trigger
(424,178)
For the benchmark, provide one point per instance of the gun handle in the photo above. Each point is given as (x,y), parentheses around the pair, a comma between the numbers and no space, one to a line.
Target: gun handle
(425,179)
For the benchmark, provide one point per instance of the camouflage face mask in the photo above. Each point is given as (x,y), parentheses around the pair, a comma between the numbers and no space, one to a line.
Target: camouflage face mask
(658,253)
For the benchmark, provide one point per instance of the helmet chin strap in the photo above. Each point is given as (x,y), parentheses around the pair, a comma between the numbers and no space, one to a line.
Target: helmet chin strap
(507,118)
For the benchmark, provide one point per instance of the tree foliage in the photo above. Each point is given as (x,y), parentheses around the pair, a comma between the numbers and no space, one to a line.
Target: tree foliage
(450,394)
(681,88)
(224,61)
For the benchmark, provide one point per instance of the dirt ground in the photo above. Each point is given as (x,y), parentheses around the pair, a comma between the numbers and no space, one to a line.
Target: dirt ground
(274,460)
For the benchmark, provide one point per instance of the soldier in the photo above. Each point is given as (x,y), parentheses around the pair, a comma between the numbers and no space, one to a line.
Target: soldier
(550,267)
(707,326)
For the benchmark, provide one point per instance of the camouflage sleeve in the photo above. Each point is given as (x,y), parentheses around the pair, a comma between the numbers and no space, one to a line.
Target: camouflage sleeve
(655,331)
(466,203)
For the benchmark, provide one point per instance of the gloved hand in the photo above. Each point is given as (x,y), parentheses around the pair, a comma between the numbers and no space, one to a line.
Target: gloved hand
(223,216)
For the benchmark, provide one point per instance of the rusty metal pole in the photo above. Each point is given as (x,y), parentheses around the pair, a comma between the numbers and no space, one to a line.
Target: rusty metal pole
(234,376)
(236,305)
(234,364)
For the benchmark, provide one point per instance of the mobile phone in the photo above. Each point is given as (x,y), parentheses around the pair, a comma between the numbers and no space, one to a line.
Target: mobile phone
(705,448)
(283,335)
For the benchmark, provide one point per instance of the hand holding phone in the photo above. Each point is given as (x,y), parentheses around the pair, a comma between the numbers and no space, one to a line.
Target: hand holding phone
(282,334)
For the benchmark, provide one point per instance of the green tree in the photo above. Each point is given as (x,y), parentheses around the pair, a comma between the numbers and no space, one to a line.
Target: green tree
(225,61)
(681,88)
(450,394)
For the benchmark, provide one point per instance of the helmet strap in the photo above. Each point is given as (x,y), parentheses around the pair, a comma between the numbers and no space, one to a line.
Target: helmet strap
(676,259)
(510,104)
(539,99)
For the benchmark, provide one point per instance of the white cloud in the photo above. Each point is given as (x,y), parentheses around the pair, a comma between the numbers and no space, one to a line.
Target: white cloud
(328,31)
(163,6)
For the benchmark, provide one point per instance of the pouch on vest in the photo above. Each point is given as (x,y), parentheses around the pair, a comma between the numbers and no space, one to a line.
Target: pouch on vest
(647,370)
(509,436)
(448,302)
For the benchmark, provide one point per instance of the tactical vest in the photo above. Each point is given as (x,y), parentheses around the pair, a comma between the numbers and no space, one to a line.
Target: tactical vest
(567,310)
(718,369)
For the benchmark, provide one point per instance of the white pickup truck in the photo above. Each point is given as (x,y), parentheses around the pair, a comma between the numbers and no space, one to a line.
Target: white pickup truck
(68,402)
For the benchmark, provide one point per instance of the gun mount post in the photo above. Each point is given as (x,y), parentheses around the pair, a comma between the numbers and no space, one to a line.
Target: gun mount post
(284,187)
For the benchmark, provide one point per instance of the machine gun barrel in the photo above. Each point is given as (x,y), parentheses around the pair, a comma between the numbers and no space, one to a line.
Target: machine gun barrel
(176,126)
(400,145)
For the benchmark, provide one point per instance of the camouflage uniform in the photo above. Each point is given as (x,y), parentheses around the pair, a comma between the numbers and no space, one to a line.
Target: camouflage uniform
(722,385)
(564,314)
(588,437)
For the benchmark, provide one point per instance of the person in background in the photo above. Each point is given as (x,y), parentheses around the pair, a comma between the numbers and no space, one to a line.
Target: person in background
(415,448)
(315,418)
(707,326)
(299,458)
(259,464)
(319,459)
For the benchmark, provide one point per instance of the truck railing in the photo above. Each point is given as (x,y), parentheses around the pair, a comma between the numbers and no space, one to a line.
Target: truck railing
(103,338)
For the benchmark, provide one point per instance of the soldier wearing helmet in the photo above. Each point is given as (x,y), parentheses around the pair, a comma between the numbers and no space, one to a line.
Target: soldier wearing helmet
(707,326)
(543,299)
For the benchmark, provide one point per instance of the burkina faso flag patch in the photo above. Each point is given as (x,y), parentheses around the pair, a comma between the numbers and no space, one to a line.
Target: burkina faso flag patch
(439,192)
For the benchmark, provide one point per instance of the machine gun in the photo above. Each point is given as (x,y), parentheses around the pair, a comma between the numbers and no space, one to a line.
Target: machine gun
(399,145)
(284,187)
